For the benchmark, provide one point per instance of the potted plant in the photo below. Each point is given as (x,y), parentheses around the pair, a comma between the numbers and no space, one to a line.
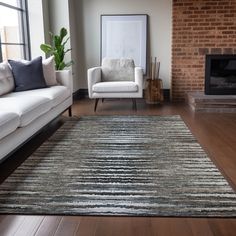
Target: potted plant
(57,49)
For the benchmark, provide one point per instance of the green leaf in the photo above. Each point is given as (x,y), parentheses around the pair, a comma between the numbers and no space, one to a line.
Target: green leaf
(57,60)
(57,41)
(46,48)
(62,65)
(63,33)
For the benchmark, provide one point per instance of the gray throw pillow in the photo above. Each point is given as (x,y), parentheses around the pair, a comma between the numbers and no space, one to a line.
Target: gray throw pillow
(28,75)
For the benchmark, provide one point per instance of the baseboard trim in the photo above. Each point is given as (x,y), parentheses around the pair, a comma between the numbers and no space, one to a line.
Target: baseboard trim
(83,93)
(80,94)
(166,93)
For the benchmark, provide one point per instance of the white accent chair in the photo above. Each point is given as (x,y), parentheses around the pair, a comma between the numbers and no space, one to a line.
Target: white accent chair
(116,78)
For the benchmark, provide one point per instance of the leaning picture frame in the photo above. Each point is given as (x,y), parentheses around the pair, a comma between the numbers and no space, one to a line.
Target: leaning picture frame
(125,36)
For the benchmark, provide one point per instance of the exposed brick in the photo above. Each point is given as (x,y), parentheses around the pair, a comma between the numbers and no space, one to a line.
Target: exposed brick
(228,51)
(200,27)
(216,51)
(203,51)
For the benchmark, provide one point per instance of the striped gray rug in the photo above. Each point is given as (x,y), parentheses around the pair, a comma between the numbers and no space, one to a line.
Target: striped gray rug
(119,165)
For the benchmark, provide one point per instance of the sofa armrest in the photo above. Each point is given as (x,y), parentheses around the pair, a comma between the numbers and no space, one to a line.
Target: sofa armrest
(94,76)
(64,77)
(138,77)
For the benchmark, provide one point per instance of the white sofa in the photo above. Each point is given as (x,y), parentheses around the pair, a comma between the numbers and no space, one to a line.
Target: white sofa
(24,113)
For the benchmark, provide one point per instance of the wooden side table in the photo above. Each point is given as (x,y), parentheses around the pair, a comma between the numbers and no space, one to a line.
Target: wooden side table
(154,91)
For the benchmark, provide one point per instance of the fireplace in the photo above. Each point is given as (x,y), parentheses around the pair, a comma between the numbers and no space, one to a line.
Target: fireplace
(220,74)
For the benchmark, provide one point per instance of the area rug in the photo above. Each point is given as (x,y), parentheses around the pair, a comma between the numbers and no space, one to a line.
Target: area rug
(119,165)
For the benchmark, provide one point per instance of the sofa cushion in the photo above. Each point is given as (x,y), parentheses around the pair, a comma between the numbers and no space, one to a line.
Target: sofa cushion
(27,107)
(6,79)
(115,87)
(49,71)
(9,121)
(28,75)
(56,94)
(117,69)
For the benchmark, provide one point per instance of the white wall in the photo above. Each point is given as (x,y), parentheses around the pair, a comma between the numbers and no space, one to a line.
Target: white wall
(58,15)
(46,21)
(88,31)
(74,43)
(38,26)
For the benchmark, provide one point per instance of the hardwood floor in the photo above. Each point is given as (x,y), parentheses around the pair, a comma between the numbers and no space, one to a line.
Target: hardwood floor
(215,132)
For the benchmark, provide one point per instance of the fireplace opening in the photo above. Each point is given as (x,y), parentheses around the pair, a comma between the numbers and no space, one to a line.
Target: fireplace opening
(220,74)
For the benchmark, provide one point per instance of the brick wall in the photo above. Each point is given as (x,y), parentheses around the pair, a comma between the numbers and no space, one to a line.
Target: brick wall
(199,27)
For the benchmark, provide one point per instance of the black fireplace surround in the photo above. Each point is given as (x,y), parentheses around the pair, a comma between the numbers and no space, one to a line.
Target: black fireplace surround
(220,74)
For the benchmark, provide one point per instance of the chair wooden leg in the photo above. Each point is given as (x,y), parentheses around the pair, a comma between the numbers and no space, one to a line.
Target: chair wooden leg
(103,100)
(70,111)
(96,103)
(134,104)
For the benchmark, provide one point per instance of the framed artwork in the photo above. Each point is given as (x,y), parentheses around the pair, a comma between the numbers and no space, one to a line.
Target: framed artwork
(125,36)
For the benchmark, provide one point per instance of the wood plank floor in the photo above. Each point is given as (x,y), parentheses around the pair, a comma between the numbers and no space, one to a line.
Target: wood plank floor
(215,132)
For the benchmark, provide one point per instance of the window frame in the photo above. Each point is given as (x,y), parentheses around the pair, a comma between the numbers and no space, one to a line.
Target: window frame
(24,29)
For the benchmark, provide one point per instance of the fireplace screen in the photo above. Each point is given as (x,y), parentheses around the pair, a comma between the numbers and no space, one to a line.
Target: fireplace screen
(220,77)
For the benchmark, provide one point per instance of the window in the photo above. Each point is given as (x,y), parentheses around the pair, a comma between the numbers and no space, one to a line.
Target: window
(14,36)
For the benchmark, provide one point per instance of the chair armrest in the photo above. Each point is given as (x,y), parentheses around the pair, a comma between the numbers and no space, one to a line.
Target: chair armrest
(64,77)
(138,77)
(94,76)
